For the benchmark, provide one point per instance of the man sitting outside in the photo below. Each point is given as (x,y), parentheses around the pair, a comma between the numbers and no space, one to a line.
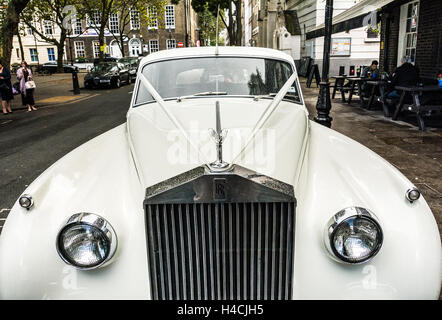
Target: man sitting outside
(372,72)
(405,75)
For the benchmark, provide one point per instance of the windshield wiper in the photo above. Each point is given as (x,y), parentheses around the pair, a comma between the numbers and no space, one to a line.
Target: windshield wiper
(207,93)
(257,97)
(271,95)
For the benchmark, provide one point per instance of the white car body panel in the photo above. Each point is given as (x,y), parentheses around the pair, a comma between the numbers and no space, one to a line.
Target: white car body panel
(329,172)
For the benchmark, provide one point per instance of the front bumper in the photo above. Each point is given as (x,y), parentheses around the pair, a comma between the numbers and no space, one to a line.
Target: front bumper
(97,82)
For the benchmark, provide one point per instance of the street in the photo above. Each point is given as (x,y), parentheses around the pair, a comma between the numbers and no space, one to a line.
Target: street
(31,141)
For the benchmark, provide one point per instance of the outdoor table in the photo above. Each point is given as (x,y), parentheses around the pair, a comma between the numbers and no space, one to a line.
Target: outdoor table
(417,106)
(354,81)
(381,84)
(339,85)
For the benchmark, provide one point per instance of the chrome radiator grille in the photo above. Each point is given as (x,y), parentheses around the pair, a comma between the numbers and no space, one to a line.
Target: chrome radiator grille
(214,251)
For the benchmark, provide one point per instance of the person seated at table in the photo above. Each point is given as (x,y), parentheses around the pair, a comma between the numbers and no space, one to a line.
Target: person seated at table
(405,75)
(371,72)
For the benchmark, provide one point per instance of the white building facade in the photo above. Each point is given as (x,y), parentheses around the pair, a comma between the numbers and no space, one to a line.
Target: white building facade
(35,50)
(350,49)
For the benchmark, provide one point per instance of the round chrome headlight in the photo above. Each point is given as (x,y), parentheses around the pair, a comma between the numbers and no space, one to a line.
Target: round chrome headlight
(87,241)
(353,235)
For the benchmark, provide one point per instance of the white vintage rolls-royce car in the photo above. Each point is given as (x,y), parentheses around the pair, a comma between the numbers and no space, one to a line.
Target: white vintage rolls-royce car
(219,187)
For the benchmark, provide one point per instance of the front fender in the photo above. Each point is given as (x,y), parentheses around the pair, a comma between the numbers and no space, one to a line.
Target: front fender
(97,177)
(337,173)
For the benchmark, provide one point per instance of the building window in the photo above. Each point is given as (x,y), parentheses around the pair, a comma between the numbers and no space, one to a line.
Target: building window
(78,29)
(29,31)
(134,19)
(411,31)
(170,44)
(153,46)
(34,55)
(18,53)
(96,47)
(94,19)
(113,23)
(79,49)
(153,20)
(48,27)
(51,54)
(408,31)
(170,17)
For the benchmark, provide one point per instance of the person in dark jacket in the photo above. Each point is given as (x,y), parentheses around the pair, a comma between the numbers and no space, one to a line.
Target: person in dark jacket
(5,88)
(405,75)
(372,72)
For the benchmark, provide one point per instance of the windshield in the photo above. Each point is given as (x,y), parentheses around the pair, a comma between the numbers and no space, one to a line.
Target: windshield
(226,75)
(103,67)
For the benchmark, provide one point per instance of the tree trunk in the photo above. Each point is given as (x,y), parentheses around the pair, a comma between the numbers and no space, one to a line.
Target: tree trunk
(238,36)
(22,52)
(231,25)
(121,43)
(60,50)
(101,41)
(15,7)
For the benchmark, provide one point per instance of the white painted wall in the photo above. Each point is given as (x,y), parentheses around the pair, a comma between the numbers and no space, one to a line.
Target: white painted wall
(31,42)
(311,13)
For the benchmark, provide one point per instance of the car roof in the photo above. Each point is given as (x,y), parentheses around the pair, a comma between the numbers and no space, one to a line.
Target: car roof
(249,52)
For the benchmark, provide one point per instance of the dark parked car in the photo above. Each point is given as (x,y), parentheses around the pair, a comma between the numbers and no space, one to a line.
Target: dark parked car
(105,59)
(107,74)
(51,67)
(132,64)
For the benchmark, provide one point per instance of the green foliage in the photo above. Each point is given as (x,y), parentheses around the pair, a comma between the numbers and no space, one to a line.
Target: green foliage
(207,25)
(234,28)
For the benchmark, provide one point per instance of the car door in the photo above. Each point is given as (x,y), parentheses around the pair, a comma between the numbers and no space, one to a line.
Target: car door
(124,72)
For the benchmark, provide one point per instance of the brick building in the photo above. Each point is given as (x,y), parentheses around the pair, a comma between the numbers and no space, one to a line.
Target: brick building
(179,24)
(412,28)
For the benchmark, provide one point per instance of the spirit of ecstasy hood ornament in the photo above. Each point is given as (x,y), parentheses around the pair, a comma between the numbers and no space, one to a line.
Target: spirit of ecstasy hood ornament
(218,136)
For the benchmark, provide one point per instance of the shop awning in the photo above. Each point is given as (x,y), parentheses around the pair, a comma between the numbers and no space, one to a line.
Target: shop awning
(351,18)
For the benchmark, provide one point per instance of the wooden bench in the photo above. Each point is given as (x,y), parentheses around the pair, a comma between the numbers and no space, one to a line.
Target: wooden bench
(424,98)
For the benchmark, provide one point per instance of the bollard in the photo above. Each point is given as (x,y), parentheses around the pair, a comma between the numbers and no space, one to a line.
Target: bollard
(75,82)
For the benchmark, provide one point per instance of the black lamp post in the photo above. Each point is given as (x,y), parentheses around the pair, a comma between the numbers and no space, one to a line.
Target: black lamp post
(323,105)
(75,84)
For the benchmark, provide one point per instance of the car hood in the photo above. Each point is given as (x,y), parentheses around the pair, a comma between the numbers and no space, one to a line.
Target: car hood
(161,150)
(100,74)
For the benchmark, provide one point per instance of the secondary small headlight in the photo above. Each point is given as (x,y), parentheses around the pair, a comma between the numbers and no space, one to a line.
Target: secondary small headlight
(353,235)
(87,241)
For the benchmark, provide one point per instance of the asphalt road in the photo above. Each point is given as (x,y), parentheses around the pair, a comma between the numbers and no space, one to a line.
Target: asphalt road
(32,141)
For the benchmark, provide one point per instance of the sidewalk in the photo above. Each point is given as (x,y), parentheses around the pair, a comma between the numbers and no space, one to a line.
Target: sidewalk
(417,154)
(52,90)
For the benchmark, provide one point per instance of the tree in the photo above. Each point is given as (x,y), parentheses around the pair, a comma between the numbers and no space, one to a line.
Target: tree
(97,13)
(234,27)
(123,9)
(48,11)
(9,21)
(207,25)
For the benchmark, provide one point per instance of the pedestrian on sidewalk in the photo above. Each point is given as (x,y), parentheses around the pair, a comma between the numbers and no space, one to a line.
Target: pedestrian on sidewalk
(5,88)
(24,74)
